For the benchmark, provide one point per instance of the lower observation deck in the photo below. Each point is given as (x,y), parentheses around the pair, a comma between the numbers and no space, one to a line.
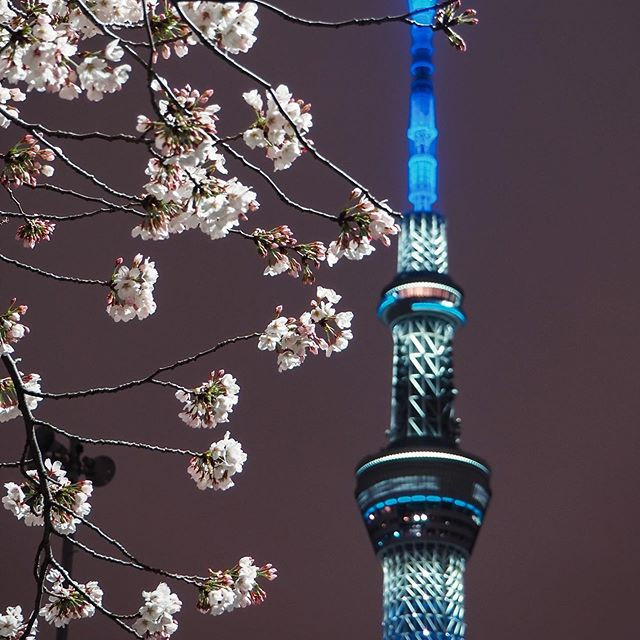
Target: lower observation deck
(423,494)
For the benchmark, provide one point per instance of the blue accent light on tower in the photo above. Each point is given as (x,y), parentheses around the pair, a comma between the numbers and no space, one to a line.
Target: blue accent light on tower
(422,498)
(422,132)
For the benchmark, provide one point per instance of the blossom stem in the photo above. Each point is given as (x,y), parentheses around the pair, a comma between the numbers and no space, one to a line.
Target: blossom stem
(208,44)
(147,379)
(352,22)
(114,442)
(48,274)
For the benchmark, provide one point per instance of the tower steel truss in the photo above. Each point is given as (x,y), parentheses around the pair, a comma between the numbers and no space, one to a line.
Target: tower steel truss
(422,498)
(423,593)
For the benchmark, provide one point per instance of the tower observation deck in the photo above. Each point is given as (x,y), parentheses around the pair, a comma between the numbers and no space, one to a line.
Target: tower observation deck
(423,499)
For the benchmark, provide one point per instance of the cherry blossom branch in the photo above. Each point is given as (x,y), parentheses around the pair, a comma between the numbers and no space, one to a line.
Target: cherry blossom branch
(194,580)
(148,66)
(59,218)
(191,580)
(113,442)
(147,379)
(87,597)
(54,276)
(63,157)
(45,546)
(17,463)
(208,44)
(95,135)
(15,200)
(31,442)
(352,22)
(278,191)
(86,197)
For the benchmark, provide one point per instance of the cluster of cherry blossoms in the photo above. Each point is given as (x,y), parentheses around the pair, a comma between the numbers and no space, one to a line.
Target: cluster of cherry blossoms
(13,626)
(235,588)
(40,47)
(214,468)
(25,161)
(360,223)
(69,500)
(284,254)
(211,402)
(34,231)
(7,111)
(184,191)
(40,42)
(446,17)
(11,330)
(156,619)
(131,290)
(293,339)
(277,129)
(9,397)
(66,603)
(230,25)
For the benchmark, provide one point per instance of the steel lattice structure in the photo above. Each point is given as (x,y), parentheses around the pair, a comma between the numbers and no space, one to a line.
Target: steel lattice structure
(423,593)
(422,383)
(423,244)
(423,499)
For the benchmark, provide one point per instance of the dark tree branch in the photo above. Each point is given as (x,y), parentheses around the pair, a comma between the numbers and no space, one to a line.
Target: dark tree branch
(268,87)
(147,379)
(113,442)
(53,276)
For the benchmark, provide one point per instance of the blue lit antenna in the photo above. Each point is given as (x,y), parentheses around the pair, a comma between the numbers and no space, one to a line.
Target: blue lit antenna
(422,498)
(422,132)
(423,243)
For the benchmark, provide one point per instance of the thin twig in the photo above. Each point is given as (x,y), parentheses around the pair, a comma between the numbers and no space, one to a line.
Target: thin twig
(57,218)
(54,276)
(86,197)
(211,46)
(87,597)
(96,135)
(116,443)
(63,157)
(17,463)
(278,191)
(146,379)
(352,22)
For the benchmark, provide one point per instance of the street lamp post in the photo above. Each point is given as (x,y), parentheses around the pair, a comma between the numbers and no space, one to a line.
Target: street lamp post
(99,469)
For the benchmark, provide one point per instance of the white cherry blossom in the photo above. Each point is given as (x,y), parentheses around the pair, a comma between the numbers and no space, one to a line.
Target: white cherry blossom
(66,603)
(277,128)
(13,94)
(11,329)
(26,501)
(361,222)
(234,588)
(9,398)
(13,625)
(293,339)
(231,25)
(211,402)
(215,467)
(156,619)
(131,290)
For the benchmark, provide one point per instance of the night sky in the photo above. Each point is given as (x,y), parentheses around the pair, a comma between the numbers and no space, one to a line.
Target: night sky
(538,178)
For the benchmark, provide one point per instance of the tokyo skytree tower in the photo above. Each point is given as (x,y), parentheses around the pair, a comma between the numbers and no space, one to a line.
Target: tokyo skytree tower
(423,499)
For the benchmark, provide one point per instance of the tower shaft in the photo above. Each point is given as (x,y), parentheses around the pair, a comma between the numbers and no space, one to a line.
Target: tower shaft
(423,594)
(422,498)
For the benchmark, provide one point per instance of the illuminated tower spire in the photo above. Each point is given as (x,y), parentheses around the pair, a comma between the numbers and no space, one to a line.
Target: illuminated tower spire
(423,499)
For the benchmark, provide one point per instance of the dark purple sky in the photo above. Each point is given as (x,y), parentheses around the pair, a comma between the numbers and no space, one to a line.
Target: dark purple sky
(538,178)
